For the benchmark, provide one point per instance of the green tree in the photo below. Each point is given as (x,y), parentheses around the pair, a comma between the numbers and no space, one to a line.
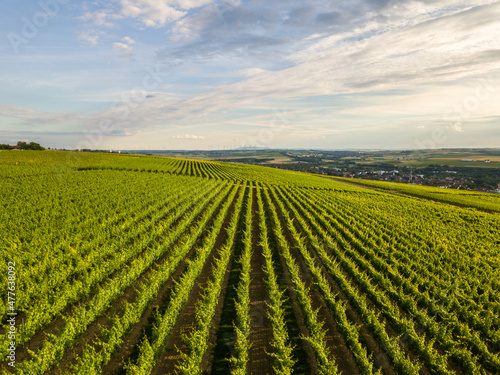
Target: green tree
(30,146)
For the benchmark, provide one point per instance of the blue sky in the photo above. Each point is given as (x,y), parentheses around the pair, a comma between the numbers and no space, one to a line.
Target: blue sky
(203,74)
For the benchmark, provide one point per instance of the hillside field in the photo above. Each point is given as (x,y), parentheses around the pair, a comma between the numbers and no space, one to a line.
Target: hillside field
(128,264)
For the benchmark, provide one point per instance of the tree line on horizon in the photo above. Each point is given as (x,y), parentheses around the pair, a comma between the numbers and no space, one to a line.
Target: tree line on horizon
(22,146)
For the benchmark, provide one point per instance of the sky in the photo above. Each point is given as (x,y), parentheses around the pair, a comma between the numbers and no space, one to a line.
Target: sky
(209,75)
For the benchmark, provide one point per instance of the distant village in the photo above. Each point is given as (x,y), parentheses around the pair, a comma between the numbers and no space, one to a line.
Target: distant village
(451,181)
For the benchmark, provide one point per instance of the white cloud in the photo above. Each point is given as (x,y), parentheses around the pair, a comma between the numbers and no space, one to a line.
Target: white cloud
(122,47)
(188,4)
(401,16)
(104,18)
(457,127)
(421,60)
(128,40)
(251,72)
(188,136)
(190,28)
(155,13)
(125,48)
(233,3)
(91,37)
(417,58)
(32,117)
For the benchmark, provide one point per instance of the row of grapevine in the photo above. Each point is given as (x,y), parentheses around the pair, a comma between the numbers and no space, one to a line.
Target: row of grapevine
(55,346)
(337,308)
(283,349)
(122,323)
(461,356)
(197,339)
(150,348)
(326,363)
(56,294)
(408,270)
(435,360)
(242,304)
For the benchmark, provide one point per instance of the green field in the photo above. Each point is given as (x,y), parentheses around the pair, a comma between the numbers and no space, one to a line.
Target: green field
(424,158)
(127,264)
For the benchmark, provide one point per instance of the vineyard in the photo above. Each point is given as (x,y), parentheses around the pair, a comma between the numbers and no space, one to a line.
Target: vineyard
(147,265)
(482,201)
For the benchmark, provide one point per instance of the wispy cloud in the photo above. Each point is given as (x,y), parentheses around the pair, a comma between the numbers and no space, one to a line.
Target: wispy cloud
(129,40)
(103,17)
(89,36)
(155,13)
(457,127)
(345,68)
(188,136)
(33,117)
(122,47)
(125,47)
(409,58)
(250,72)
